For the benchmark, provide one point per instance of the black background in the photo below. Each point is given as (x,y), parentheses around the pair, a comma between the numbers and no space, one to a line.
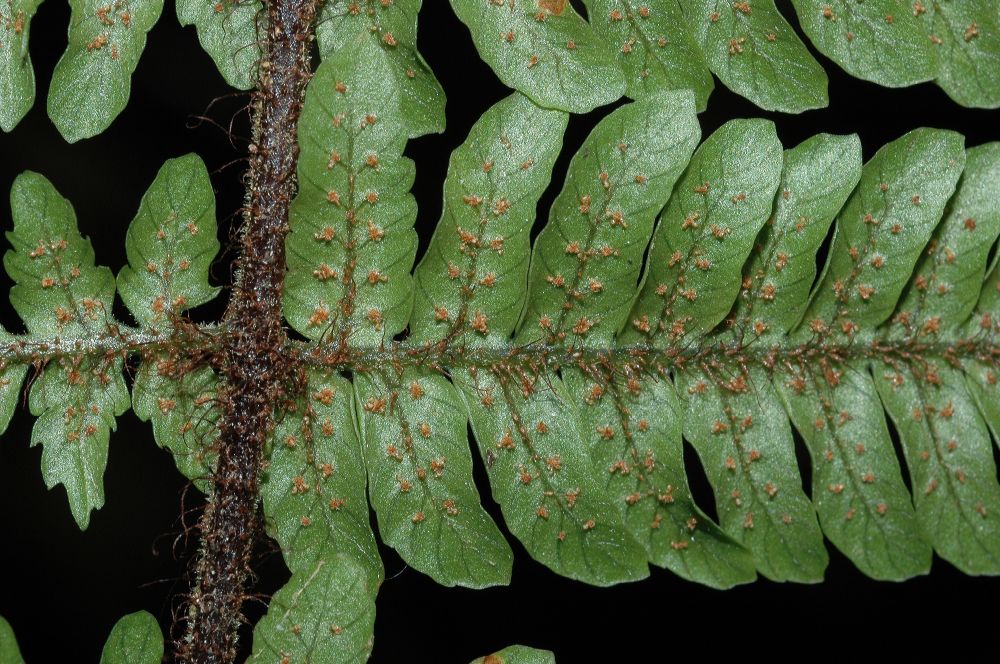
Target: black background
(63,589)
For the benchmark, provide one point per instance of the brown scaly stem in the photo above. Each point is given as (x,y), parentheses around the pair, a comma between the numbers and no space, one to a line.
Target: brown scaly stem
(254,365)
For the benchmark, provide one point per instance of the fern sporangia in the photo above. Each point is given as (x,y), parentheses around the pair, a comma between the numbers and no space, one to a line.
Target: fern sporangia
(680,289)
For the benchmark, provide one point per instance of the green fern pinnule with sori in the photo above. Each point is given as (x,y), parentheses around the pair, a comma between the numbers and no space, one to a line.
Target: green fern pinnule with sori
(729,292)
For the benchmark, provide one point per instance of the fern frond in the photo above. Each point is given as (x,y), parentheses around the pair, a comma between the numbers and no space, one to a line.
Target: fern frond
(895,43)
(581,373)
(180,399)
(946,445)
(59,291)
(171,244)
(967,35)
(755,53)
(66,303)
(482,242)
(414,433)
(981,371)
(545,50)
(654,48)
(12,374)
(884,41)
(353,209)
(673,294)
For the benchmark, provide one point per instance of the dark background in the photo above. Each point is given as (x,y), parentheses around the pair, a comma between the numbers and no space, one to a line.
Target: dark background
(63,589)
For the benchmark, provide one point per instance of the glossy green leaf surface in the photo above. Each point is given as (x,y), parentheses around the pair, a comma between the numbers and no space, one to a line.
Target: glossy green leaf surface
(857,487)
(313,489)
(882,41)
(419,477)
(706,233)
(590,252)
(881,230)
(654,47)
(11,377)
(948,277)
(817,178)
(950,458)
(858,490)
(945,440)
(93,79)
(982,373)
(392,27)
(352,242)
(755,305)
(966,36)
(59,291)
(180,403)
(545,50)
(9,652)
(540,474)
(135,639)
(631,426)
(325,614)
(77,400)
(745,444)
(227,30)
(755,53)
(171,244)
(518,655)
(469,285)
(17,77)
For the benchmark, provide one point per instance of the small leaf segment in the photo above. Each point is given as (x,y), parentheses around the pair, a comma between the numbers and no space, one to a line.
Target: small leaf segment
(135,639)
(518,655)
(93,79)
(17,76)
(325,613)
(9,652)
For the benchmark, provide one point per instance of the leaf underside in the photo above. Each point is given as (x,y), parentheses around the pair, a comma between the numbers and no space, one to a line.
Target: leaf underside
(323,614)
(227,30)
(135,639)
(518,655)
(391,27)
(672,294)
(669,297)
(59,291)
(543,49)
(17,77)
(93,78)
(9,652)
(66,303)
